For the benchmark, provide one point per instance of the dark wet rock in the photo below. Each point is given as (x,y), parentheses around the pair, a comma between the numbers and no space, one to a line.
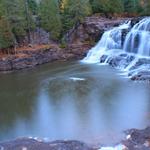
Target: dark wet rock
(141,62)
(141,75)
(139,139)
(122,60)
(135,20)
(103,58)
(20,63)
(31,58)
(118,60)
(31,144)
(5,64)
(140,70)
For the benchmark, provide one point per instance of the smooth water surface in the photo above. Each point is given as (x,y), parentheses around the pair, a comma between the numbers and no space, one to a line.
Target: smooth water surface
(92,103)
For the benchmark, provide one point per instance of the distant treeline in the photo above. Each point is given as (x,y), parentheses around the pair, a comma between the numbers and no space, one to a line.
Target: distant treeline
(19,17)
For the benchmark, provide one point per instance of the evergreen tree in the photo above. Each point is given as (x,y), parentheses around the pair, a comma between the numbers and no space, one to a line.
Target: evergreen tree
(16,15)
(107,6)
(50,17)
(74,12)
(19,17)
(115,6)
(146,7)
(132,6)
(33,6)
(100,6)
(6,36)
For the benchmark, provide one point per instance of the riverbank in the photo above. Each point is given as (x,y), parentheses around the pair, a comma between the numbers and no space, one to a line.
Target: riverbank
(79,41)
(135,140)
(27,57)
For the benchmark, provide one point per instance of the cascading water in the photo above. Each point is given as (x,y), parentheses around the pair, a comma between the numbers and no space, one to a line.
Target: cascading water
(135,49)
(138,39)
(110,40)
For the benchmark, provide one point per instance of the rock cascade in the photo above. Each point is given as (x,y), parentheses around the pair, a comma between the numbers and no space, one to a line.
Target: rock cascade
(126,47)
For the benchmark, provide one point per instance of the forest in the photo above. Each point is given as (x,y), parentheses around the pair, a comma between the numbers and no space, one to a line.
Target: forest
(19,17)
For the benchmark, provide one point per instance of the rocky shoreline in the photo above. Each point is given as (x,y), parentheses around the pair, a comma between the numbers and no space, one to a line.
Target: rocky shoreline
(30,58)
(135,140)
(80,40)
(34,144)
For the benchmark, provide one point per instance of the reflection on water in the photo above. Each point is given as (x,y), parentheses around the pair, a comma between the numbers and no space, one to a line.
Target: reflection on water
(71,101)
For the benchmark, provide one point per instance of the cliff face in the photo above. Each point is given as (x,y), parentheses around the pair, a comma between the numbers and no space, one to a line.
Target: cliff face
(92,29)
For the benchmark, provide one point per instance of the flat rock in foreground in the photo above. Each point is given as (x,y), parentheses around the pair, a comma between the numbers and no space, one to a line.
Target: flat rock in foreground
(136,140)
(31,144)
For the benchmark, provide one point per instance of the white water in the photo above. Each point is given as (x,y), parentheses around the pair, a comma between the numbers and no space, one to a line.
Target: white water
(138,39)
(110,40)
(118,147)
(137,43)
(77,79)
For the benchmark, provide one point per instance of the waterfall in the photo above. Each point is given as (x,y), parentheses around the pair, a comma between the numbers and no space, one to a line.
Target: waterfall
(135,49)
(138,39)
(110,40)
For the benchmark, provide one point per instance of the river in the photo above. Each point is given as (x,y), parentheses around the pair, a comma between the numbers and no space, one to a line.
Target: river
(71,100)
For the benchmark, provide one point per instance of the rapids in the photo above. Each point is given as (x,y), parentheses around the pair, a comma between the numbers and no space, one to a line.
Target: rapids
(132,55)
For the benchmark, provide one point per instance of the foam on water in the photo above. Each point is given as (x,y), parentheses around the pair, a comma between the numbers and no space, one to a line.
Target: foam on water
(76,79)
(118,147)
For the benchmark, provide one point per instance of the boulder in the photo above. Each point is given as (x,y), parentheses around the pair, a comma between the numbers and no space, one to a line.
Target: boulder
(32,144)
(139,139)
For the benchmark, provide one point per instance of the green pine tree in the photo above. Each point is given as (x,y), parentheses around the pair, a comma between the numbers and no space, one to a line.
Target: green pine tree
(146,10)
(6,36)
(33,6)
(107,6)
(115,6)
(132,6)
(50,17)
(100,6)
(74,12)
(16,16)
(19,17)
